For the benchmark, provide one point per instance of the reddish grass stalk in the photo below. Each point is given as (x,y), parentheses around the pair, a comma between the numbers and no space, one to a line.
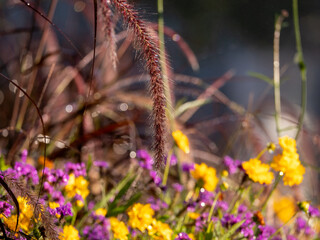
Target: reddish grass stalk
(151,54)
(106,16)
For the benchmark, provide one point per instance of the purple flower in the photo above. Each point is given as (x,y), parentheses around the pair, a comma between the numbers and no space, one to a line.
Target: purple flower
(78,169)
(24,155)
(57,197)
(173,160)
(147,159)
(231,164)
(56,176)
(156,204)
(65,210)
(205,197)
(314,212)
(182,236)
(229,219)
(25,170)
(201,222)
(97,231)
(52,211)
(5,208)
(49,175)
(47,187)
(156,179)
(91,205)
(187,167)
(265,232)
(300,224)
(242,209)
(247,230)
(101,164)
(177,187)
(222,205)
(61,177)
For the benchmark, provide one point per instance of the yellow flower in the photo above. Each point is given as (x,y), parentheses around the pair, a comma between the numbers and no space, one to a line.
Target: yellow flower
(140,216)
(53,205)
(285,161)
(26,214)
(288,162)
(190,235)
(258,171)
(285,209)
(224,173)
(193,215)
(181,140)
(288,144)
(207,175)
(77,185)
(101,212)
(159,230)
(69,233)
(11,222)
(80,203)
(294,176)
(119,229)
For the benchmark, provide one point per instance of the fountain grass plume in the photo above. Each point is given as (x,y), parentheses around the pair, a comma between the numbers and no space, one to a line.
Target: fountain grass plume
(151,54)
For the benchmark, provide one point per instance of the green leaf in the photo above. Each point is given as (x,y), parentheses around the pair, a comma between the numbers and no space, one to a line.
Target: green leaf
(192,104)
(121,209)
(208,236)
(121,193)
(261,77)
(163,218)
(89,163)
(3,165)
(232,230)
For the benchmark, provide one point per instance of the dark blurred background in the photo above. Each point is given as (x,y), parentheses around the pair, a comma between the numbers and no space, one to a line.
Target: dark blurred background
(224,34)
(238,35)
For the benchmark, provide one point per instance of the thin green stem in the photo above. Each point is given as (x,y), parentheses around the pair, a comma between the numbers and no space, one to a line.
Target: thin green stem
(213,206)
(166,171)
(271,192)
(273,235)
(261,153)
(163,61)
(276,72)
(301,64)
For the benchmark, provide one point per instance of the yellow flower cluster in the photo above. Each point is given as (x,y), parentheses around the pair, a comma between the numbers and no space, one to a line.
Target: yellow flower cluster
(101,212)
(258,171)
(69,233)
(159,230)
(77,185)
(207,175)
(288,162)
(181,140)
(141,217)
(285,209)
(25,217)
(119,229)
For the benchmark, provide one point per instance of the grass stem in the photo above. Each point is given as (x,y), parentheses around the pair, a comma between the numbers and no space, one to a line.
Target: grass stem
(301,64)
(276,71)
